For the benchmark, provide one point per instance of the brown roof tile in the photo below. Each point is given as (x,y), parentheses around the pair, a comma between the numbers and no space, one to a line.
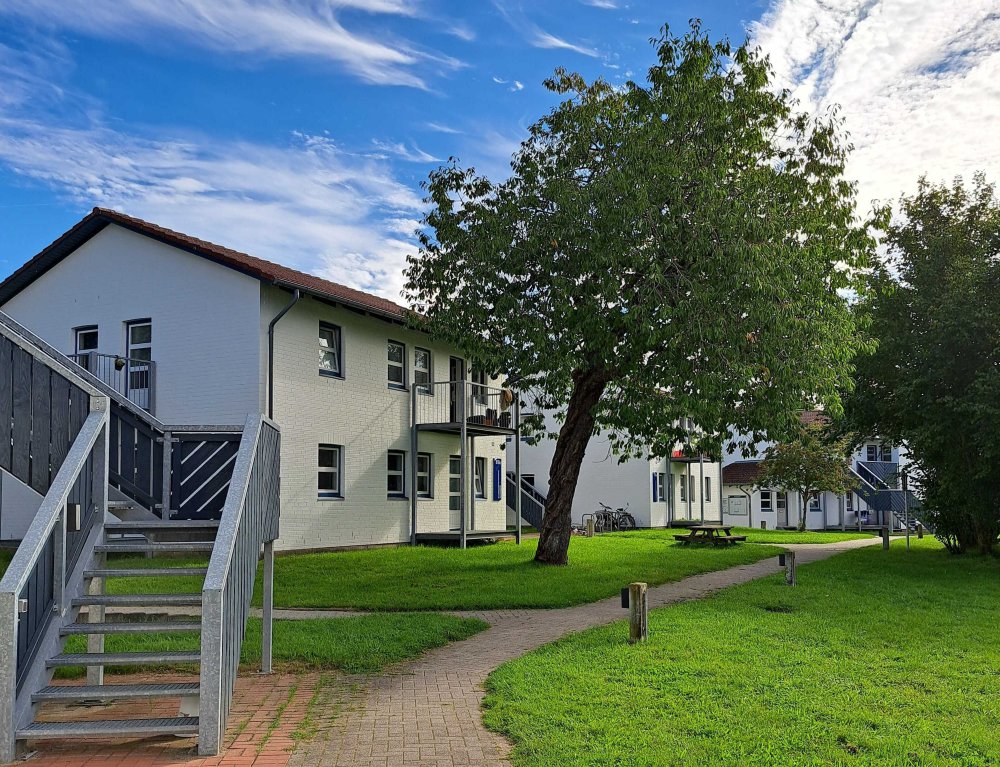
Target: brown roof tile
(741,473)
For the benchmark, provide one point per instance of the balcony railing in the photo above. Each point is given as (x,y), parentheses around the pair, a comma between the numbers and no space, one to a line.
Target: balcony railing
(449,402)
(134,379)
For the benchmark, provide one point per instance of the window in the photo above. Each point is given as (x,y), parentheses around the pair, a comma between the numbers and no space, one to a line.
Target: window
(455,483)
(480,477)
(658,491)
(424,485)
(849,503)
(765,500)
(328,482)
(887,453)
(693,486)
(85,339)
(397,365)
(708,489)
(683,484)
(781,501)
(479,386)
(814,503)
(396,474)
(422,371)
(329,350)
(139,350)
(878,452)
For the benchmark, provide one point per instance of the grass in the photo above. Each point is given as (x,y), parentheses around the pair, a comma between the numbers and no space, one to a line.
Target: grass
(874,658)
(363,644)
(498,576)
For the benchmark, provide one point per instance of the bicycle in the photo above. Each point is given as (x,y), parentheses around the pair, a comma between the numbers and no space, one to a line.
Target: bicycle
(610,520)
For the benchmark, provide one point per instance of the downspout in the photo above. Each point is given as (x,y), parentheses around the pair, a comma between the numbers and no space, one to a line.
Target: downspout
(749,503)
(270,351)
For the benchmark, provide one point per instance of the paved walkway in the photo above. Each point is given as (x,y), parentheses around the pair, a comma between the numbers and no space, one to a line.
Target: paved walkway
(428,712)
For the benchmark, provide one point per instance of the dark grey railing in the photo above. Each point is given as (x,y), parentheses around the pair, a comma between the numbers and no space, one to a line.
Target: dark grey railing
(445,402)
(132,378)
(881,474)
(532,502)
(53,437)
(249,521)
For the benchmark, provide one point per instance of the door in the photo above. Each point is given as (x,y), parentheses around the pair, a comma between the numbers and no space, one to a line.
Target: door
(454,492)
(456,372)
(139,354)
(782,509)
(85,346)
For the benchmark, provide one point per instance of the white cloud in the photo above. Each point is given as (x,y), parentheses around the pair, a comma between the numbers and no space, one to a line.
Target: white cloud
(517,85)
(535,35)
(439,128)
(918,82)
(411,153)
(607,5)
(499,80)
(309,204)
(268,28)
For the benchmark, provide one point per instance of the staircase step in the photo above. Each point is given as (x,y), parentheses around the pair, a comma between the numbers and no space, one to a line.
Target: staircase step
(123,658)
(139,600)
(154,524)
(142,547)
(144,572)
(67,692)
(110,728)
(129,627)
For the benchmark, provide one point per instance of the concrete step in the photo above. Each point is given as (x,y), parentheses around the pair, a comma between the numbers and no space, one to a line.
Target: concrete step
(130,627)
(76,692)
(144,547)
(111,728)
(123,658)
(139,600)
(144,572)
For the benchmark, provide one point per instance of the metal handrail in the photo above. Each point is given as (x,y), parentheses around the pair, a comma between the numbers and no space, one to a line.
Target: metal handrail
(50,516)
(249,520)
(116,371)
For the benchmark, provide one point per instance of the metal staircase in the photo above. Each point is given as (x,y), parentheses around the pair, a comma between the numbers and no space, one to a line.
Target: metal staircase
(532,502)
(878,487)
(193,491)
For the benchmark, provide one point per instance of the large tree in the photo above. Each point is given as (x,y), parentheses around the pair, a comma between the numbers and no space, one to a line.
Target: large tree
(810,463)
(933,382)
(662,250)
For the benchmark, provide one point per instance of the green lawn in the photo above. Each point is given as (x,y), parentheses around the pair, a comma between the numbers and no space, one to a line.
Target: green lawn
(361,644)
(874,658)
(502,575)
(755,535)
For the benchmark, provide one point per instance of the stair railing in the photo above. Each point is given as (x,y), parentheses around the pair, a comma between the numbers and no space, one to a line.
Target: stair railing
(532,502)
(249,521)
(47,568)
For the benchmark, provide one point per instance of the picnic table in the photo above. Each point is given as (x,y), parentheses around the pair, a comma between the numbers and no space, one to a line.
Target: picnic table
(717,535)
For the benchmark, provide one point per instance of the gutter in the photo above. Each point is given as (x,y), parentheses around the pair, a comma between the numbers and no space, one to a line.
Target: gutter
(270,351)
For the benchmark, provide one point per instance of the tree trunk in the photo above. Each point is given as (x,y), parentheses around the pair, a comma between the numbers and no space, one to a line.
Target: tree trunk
(553,543)
(803,503)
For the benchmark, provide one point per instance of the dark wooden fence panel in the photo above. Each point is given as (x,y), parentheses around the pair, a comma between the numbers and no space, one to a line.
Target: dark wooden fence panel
(135,458)
(202,467)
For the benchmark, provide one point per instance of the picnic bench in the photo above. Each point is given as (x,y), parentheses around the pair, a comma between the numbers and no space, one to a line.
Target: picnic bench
(717,535)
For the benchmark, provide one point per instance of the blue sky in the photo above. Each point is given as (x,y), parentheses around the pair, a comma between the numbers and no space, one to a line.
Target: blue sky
(300,130)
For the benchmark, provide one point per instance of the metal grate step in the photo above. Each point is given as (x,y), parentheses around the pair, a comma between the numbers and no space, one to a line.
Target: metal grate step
(143,547)
(123,658)
(111,728)
(67,692)
(159,524)
(139,600)
(144,572)
(130,627)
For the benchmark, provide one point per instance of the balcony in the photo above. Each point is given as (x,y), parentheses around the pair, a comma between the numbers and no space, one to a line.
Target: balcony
(134,379)
(463,406)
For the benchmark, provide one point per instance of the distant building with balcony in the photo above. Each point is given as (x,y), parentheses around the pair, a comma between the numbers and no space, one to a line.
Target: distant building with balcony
(387,435)
(876,501)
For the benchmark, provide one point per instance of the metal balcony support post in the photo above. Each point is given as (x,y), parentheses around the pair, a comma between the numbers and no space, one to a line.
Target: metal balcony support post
(59,565)
(906,511)
(99,493)
(669,489)
(701,482)
(168,449)
(519,491)
(8,677)
(267,628)
(464,450)
(414,447)
(472,495)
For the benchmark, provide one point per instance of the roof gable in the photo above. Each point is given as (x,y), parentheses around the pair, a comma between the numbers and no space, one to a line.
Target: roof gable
(265,271)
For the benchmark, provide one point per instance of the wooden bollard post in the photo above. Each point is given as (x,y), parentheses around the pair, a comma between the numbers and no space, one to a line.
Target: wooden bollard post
(787,560)
(885,538)
(920,530)
(590,527)
(638,613)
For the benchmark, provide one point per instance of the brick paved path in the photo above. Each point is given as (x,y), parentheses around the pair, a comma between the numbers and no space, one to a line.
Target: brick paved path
(428,712)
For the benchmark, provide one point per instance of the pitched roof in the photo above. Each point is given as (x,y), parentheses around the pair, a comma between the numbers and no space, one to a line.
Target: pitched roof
(265,271)
(741,473)
(809,417)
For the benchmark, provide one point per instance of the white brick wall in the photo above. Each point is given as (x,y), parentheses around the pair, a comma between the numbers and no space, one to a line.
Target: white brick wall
(368,418)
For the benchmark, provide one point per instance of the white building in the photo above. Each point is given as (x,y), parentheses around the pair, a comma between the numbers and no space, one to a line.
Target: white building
(182,327)
(876,501)
(657,491)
